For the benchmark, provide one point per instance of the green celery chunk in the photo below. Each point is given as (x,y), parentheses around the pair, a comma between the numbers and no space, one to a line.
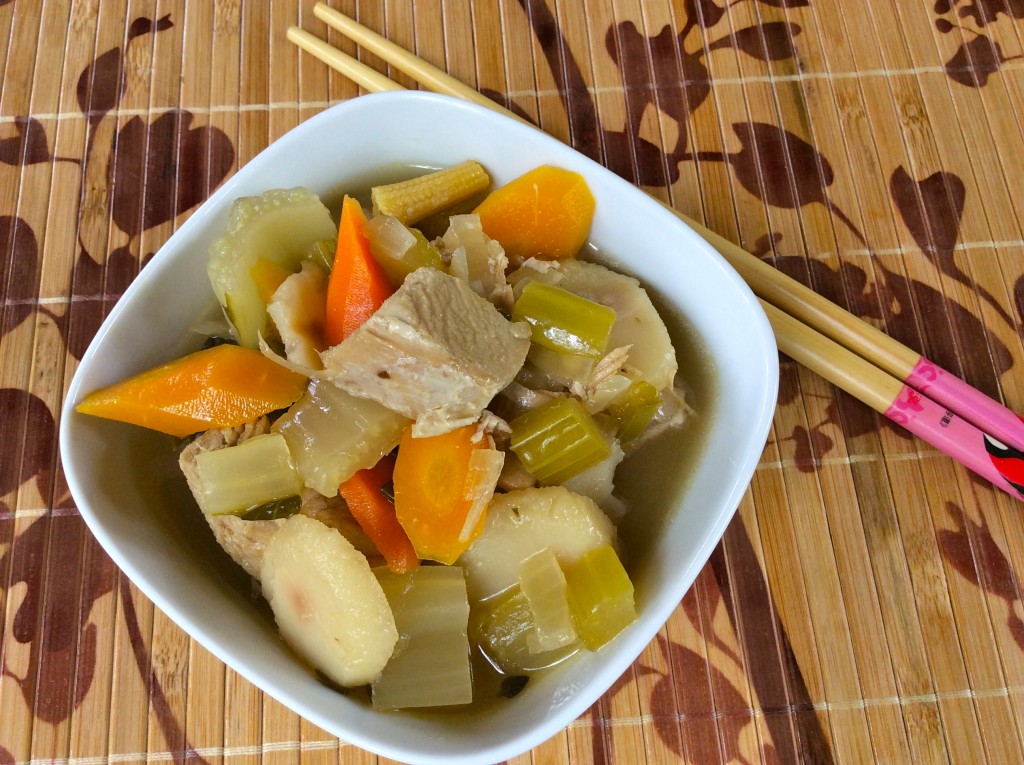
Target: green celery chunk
(238,478)
(431,663)
(562,321)
(634,409)
(543,584)
(266,233)
(557,440)
(600,595)
(502,625)
(400,250)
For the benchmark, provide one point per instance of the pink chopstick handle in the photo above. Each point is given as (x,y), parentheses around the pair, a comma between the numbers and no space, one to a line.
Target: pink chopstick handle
(949,390)
(953,435)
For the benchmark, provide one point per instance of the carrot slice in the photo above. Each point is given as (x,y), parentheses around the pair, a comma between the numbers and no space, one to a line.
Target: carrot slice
(433,492)
(358,285)
(220,387)
(376,515)
(544,214)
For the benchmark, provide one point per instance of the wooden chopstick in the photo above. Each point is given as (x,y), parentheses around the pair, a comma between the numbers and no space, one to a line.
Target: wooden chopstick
(852,354)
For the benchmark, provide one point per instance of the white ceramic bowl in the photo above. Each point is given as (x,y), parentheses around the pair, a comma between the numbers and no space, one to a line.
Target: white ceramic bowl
(125,479)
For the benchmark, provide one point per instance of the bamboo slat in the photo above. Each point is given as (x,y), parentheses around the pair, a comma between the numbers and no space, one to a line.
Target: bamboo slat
(867,601)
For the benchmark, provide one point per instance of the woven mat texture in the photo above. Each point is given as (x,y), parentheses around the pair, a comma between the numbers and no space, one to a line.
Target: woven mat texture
(865,604)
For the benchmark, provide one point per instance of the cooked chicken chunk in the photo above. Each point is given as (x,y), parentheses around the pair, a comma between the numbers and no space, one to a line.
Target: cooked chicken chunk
(476,258)
(297,309)
(435,351)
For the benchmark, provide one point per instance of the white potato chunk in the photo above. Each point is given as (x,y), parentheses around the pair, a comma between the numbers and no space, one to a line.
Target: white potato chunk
(327,603)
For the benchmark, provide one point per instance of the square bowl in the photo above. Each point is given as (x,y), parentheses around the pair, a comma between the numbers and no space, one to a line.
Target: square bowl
(128,489)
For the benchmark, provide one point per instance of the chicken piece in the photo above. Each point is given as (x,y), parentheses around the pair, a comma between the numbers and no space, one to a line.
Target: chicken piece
(297,309)
(245,541)
(478,259)
(435,351)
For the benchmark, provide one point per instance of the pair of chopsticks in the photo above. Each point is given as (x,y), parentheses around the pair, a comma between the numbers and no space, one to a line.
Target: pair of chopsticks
(873,367)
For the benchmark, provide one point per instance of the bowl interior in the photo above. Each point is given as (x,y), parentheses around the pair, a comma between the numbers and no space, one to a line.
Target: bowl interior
(127,486)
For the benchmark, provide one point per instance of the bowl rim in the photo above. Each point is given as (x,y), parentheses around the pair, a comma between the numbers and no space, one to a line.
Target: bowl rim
(765,368)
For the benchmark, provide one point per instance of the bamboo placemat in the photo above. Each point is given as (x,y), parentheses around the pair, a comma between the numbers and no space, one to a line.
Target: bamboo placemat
(865,604)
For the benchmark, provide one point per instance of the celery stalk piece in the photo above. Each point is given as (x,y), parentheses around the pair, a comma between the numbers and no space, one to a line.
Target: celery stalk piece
(543,584)
(239,478)
(400,250)
(562,321)
(634,409)
(431,663)
(502,625)
(333,434)
(557,440)
(600,595)
(278,226)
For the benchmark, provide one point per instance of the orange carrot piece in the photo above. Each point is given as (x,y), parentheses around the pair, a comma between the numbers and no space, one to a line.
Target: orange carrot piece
(221,387)
(430,492)
(376,515)
(545,213)
(358,285)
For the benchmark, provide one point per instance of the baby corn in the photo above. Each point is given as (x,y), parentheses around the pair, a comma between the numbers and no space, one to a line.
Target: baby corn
(415,199)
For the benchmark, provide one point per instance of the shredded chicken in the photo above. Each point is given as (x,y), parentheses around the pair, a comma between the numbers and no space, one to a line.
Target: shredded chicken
(609,364)
(493,427)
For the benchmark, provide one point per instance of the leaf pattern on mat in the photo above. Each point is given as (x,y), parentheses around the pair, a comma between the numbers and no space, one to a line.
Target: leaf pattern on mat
(768,42)
(101,84)
(982,12)
(53,617)
(179,164)
(28,147)
(975,61)
(932,210)
(783,169)
(980,56)
(19,272)
(681,696)
(166,158)
(27,422)
(974,553)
